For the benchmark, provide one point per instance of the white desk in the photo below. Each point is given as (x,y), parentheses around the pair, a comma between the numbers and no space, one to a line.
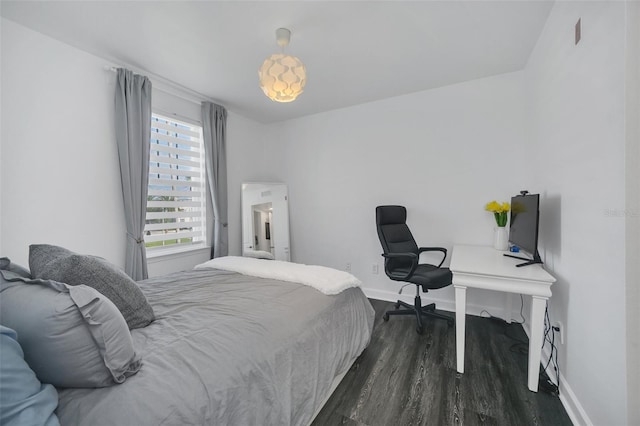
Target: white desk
(487,268)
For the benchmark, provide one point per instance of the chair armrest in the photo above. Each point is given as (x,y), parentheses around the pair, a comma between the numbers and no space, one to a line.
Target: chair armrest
(411,256)
(441,249)
(397,255)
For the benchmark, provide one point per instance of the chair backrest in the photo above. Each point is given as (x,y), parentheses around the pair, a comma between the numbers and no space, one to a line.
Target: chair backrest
(394,235)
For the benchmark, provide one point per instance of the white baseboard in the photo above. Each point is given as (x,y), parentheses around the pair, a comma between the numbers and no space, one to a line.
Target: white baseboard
(408,295)
(568,398)
(569,401)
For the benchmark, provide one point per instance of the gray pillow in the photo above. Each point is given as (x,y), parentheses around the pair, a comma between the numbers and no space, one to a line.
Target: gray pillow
(6,264)
(59,264)
(72,336)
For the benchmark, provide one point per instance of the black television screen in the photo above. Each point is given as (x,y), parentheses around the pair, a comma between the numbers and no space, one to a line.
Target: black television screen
(523,231)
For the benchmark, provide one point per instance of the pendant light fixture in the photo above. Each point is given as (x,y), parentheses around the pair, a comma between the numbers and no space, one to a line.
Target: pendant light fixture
(282,77)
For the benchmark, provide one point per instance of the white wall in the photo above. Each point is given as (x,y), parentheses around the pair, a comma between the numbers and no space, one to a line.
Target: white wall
(577,149)
(442,153)
(59,165)
(249,161)
(632,218)
(60,178)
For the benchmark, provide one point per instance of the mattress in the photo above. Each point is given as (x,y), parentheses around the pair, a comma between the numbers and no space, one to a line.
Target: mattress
(230,349)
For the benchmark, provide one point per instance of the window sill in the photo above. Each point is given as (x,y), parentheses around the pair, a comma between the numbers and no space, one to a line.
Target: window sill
(175,252)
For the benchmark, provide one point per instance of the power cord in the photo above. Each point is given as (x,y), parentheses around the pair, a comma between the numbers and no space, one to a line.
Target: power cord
(522,347)
(550,337)
(513,321)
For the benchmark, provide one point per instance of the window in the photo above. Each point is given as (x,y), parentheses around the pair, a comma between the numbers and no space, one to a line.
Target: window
(176,204)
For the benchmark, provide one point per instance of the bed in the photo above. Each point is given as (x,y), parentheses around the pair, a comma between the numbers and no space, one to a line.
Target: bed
(230,349)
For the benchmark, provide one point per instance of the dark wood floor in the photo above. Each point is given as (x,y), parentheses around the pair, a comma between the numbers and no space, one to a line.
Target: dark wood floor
(403,378)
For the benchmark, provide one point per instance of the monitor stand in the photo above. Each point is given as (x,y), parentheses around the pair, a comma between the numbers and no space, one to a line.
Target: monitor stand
(536,259)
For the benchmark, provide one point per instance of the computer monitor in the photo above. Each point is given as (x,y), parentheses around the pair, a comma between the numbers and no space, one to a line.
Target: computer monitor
(523,229)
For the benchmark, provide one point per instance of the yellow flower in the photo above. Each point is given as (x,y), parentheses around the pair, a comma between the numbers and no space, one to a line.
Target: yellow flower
(493,206)
(499,211)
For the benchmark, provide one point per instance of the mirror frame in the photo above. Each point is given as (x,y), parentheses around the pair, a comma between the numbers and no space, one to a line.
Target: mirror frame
(257,193)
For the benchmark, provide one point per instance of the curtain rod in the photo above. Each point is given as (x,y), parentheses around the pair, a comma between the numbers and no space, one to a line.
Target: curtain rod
(181,117)
(166,85)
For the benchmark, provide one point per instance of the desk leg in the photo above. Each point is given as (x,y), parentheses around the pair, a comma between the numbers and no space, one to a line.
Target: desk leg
(461,308)
(538,305)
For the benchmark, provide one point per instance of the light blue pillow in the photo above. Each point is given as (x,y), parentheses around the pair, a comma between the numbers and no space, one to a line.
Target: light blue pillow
(23,399)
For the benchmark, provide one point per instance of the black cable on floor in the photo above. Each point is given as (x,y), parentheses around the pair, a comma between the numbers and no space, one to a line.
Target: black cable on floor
(545,382)
(522,347)
(484,311)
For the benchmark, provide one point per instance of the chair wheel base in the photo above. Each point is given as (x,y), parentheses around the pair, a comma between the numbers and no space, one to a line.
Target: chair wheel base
(418,310)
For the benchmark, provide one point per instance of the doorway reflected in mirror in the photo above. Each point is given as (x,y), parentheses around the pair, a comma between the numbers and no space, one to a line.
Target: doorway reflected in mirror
(265,221)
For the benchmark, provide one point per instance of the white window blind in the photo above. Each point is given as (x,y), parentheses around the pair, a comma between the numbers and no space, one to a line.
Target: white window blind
(176,204)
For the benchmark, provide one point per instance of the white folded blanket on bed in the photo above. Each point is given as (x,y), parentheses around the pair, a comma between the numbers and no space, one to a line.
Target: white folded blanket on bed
(327,280)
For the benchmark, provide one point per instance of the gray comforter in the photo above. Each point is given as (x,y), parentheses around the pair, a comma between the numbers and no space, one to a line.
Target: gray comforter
(228,349)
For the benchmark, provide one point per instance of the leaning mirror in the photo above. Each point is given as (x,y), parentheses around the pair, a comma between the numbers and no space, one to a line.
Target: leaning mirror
(265,221)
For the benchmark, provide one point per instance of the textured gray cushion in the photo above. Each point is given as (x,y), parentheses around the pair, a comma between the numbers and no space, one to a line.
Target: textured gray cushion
(59,264)
(72,336)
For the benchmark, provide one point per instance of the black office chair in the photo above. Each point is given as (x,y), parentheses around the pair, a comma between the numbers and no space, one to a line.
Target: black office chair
(401,263)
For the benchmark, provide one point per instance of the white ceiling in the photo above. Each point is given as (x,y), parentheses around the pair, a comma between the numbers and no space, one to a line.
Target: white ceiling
(355,52)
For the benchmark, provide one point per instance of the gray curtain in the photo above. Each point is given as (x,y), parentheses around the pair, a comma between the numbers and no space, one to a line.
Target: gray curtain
(214,129)
(133,131)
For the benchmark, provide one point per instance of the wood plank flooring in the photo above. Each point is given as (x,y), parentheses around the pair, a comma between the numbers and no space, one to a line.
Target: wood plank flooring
(405,379)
